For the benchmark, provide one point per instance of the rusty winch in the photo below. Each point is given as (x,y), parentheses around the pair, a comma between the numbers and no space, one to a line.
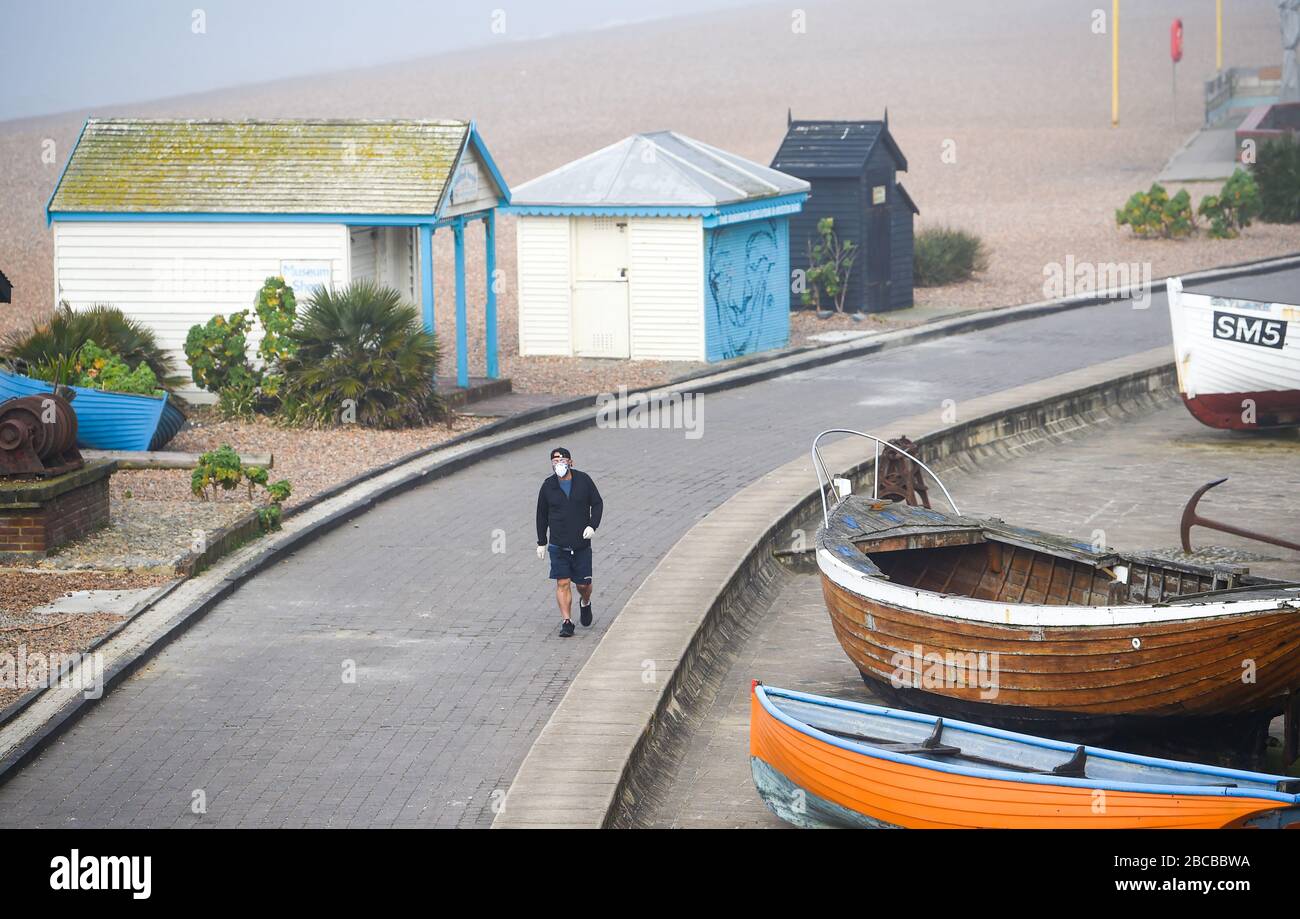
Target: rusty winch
(38,436)
(900,477)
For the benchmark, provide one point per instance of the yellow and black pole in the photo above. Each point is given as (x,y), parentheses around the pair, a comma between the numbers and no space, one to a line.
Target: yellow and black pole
(1114,62)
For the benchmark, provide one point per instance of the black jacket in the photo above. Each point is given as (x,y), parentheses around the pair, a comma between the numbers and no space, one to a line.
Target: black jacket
(567,517)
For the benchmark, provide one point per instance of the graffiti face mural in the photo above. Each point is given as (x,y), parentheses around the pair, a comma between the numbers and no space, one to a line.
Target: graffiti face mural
(743,281)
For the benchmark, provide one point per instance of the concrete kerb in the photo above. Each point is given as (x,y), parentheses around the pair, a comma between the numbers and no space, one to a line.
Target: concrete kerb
(721,590)
(20,739)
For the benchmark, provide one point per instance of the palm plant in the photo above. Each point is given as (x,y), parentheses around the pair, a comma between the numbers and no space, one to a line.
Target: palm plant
(360,354)
(64,334)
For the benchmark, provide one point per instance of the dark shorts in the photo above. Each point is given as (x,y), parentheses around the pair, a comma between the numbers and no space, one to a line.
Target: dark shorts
(574,564)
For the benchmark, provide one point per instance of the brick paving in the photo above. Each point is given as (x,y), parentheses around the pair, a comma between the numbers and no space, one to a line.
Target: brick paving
(1129,480)
(457,664)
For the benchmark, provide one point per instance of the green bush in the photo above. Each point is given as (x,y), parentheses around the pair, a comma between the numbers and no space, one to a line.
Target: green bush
(1277,173)
(1153,214)
(362,356)
(829,264)
(241,397)
(94,367)
(221,469)
(218,468)
(277,308)
(944,256)
(67,332)
(1233,208)
(217,352)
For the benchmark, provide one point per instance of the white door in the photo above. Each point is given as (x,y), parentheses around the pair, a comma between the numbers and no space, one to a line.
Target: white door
(600,304)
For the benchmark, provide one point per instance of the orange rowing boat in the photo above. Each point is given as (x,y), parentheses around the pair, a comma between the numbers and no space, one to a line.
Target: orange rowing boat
(820,762)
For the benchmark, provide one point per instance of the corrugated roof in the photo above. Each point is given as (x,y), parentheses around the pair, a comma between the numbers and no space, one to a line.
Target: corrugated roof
(833,147)
(260,167)
(658,169)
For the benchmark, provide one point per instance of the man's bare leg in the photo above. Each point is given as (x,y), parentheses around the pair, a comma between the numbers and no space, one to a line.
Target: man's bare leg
(584,591)
(564,596)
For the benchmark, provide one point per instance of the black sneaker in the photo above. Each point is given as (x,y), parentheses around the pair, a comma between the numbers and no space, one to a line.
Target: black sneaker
(584,614)
(566,630)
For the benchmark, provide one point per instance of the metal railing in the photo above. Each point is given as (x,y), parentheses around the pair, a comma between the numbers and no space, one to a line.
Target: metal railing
(825,479)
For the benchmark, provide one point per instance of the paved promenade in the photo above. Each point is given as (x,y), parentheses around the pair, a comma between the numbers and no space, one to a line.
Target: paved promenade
(453,644)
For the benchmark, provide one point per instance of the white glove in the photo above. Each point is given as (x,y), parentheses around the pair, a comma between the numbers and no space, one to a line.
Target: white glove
(588,533)
(541,552)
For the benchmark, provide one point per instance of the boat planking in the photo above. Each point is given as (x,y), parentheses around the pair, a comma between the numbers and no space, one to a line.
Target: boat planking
(819,762)
(975,618)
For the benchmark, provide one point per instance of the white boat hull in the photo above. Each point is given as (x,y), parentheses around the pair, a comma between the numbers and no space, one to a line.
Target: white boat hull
(1238,361)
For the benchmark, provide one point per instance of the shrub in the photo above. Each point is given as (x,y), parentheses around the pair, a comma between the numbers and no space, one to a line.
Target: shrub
(1153,214)
(68,331)
(94,367)
(221,468)
(218,468)
(1277,173)
(944,256)
(241,397)
(217,351)
(829,263)
(277,308)
(361,355)
(1233,208)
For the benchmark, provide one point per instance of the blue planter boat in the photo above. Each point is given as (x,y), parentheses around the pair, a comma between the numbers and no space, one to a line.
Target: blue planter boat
(108,420)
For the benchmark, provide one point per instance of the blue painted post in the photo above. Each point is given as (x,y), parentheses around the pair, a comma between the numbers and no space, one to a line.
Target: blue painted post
(490,243)
(426,274)
(462,332)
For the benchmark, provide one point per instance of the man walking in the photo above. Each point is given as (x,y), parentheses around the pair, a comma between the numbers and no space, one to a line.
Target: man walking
(569,507)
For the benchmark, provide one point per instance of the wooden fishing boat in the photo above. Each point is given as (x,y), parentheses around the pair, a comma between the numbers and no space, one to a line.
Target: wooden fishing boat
(1238,361)
(974,618)
(108,420)
(820,762)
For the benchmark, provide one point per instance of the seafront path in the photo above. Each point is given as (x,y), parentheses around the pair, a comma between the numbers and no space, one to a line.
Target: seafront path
(437,604)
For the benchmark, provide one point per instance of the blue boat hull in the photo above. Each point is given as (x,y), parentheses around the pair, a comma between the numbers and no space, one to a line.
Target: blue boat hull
(108,420)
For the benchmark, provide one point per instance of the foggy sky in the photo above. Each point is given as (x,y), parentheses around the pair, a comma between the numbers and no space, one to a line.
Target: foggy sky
(57,55)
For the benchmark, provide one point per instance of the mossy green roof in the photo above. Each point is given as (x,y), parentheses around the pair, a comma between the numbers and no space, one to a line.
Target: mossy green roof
(123,165)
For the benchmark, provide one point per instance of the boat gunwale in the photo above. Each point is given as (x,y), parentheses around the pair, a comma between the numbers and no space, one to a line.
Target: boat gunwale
(163,398)
(761,693)
(1033,615)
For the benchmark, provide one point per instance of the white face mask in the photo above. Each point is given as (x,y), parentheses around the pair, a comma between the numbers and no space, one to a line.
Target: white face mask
(561,469)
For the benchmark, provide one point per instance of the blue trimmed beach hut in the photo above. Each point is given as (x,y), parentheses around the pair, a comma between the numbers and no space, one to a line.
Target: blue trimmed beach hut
(658,247)
(174,221)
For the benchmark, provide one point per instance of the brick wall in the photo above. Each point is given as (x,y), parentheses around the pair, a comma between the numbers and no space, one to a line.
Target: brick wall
(36,530)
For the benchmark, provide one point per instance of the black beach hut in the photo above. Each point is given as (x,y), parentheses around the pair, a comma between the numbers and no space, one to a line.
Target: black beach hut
(853,169)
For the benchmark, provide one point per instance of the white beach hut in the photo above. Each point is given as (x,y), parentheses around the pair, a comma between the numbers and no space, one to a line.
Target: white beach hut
(656,247)
(174,221)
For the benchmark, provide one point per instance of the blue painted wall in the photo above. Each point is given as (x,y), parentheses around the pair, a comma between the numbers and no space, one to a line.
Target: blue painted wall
(746,288)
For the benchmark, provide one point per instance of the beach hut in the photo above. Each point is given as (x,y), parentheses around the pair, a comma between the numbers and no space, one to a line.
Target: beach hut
(174,221)
(656,247)
(853,167)
(6,289)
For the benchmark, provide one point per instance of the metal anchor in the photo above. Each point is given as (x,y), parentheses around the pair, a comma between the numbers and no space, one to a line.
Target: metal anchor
(1191,519)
